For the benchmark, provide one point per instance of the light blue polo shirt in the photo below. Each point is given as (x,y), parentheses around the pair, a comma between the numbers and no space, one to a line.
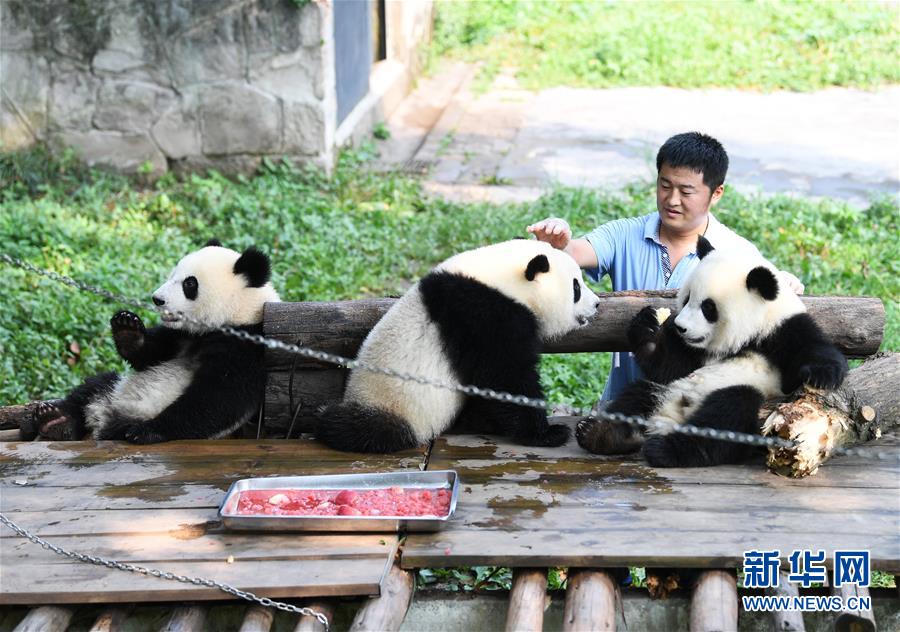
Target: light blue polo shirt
(629,251)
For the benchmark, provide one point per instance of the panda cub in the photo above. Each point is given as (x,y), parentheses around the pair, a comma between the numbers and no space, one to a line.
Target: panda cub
(189,382)
(478,318)
(738,340)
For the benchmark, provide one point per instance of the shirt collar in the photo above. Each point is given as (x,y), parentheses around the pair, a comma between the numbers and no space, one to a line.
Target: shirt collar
(651,229)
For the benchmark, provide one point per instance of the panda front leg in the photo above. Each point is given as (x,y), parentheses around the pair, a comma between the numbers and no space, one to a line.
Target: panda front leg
(142,347)
(525,424)
(734,408)
(602,436)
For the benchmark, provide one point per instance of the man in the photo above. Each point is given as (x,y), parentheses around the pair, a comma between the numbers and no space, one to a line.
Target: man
(657,251)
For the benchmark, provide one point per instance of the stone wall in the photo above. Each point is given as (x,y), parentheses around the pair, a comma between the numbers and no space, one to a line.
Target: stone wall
(153,85)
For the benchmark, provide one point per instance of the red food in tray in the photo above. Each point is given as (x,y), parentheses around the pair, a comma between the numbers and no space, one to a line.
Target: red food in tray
(383,503)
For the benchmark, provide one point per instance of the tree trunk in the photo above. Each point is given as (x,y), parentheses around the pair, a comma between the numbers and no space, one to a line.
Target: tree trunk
(864,408)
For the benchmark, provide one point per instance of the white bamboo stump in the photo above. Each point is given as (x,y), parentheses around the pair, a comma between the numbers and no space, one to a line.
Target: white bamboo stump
(386,613)
(311,624)
(786,620)
(714,605)
(46,619)
(853,620)
(186,619)
(111,619)
(590,601)
(257,619)
(527,600)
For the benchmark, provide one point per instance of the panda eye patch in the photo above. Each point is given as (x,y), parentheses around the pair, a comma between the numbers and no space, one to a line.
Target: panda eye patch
(189,286)
(709,309)
(577,288)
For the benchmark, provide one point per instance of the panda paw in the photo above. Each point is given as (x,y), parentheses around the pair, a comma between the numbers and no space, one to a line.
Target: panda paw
(128,333)
(644,328)
(605,437)
(48,420)
(131,431)
(825,375)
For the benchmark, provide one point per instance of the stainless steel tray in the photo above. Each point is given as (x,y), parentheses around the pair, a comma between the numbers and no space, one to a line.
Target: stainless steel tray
(446,479)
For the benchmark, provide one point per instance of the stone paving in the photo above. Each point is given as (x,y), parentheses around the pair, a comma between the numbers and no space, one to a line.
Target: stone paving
(510,144)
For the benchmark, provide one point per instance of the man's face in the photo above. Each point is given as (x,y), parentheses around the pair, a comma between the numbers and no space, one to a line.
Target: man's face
(682,199)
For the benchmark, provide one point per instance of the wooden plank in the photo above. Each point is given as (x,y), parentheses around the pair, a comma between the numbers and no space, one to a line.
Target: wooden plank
(25,582)
(156,506)
(855,324)
(590,601)
(386,613)
(714,604)
(527,600)
(526,507)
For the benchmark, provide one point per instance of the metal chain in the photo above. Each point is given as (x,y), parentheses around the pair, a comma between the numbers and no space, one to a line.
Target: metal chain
(487,393)
(143,570)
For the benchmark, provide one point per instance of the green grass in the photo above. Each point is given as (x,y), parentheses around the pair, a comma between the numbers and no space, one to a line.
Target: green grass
(757,45)
(352,235)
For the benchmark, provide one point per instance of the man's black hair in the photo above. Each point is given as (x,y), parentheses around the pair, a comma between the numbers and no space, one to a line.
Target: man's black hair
(702,153)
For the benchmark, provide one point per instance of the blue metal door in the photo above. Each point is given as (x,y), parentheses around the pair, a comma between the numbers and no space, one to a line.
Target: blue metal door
(352,52)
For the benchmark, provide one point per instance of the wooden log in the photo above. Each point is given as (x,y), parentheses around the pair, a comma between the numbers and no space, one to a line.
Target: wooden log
(854,324)
(590,601)
(864,408)
(46,619)
(12,416)
(853,620)
(714,605)
(308,623)
(185,619)
(111,619)
(257,619)
(786,620)
(527,600)
(387,611)
(311,389)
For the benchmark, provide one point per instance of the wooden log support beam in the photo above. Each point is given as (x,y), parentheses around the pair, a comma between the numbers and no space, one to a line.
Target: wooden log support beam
(853,620)
(185,619)
(46,619)
(527,600)
(786,620)
(257,619)
(855,324)
(311,624)
(590,601)
(714,605)
(386,612)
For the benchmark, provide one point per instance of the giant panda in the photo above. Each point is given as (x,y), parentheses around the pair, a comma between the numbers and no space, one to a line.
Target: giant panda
(189,381)
(739,339)
(477,318)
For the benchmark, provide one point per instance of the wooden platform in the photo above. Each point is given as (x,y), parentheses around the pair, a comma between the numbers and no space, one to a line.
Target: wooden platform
(156,506)
(524,507)
(564,507)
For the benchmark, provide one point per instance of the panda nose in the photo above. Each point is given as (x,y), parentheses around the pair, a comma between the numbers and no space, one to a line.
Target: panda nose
(158,301)
(681,330)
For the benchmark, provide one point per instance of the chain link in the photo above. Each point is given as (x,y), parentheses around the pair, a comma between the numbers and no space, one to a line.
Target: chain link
(143,570)
(487,393)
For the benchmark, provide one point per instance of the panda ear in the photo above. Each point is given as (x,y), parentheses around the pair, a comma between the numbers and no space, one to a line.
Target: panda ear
(703,246)
(539,264)
(763,281)
(254,265)
(212,242)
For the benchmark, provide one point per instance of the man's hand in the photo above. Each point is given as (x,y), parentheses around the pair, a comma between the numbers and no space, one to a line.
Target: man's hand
(554,230)
(791,281)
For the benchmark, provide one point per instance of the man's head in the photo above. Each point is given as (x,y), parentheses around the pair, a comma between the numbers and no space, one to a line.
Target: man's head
(691,170)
